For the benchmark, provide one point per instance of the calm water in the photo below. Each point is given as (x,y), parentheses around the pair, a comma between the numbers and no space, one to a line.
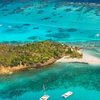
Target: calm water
(82,79)
(45,20)
(31,21)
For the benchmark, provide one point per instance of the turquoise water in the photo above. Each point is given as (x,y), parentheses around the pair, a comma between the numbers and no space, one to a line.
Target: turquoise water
(58,78)
(63,22)
(57,21)
(94,51)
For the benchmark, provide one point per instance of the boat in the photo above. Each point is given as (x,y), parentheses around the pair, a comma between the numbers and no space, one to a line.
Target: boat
(67,94)
(45,96)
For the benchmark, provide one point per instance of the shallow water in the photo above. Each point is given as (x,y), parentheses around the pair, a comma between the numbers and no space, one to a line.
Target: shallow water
(94,51)
(58,78)
(45,20)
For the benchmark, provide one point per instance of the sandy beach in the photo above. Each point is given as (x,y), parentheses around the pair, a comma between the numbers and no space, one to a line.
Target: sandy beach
(87,58)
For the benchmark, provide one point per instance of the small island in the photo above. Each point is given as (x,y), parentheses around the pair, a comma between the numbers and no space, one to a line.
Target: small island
(33,55)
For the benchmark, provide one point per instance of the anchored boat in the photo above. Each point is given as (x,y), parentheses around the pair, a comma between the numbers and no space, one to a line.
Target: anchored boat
(45,96)
(67,94)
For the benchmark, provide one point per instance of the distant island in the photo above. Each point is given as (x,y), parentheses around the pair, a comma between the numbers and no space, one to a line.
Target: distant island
(33,55)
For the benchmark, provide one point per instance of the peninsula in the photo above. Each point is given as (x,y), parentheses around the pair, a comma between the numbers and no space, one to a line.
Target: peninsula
(33,55)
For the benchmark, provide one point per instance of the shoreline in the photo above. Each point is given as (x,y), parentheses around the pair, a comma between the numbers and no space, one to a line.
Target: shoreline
(10,70)
(87,58)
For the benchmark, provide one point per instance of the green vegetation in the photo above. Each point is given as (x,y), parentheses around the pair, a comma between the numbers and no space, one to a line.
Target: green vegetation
(34,53)
(73,52)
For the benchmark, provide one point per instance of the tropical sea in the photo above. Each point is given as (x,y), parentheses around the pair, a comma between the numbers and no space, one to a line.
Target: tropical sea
(36,20)
(64,21)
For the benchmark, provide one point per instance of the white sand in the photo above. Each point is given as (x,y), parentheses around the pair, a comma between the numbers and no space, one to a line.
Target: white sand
(85,59)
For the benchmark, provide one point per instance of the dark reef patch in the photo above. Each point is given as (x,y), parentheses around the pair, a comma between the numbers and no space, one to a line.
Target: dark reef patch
(32,37)
(60,28)
(49,31)
(97,13)
(15,42)
(46,18)
(15,29)
(18,26)
(50,39)
(68,10)
(10,42)
(40,11)
(67,30)
(9,30)
(4,10)
(87,10)
(53,21)
(58,35)
(26,24)
(81,32)
(54,8)
(35,28)
(72,30)
(60,16)
(4,42)
(53,14)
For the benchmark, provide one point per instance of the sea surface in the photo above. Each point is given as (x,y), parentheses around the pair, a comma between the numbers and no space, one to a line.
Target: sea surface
(82,79)
(23,21)
(62,21)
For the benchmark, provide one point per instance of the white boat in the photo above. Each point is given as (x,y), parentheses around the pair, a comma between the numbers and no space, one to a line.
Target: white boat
(45,96)
(67,94)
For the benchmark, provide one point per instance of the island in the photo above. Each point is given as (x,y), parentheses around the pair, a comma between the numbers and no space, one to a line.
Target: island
(33,55)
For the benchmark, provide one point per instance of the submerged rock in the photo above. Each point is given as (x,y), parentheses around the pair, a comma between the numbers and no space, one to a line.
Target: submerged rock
(58,35)
(72,30)
(32,37)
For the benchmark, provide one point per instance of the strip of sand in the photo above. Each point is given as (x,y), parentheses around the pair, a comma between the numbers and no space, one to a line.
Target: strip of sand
(87,58)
